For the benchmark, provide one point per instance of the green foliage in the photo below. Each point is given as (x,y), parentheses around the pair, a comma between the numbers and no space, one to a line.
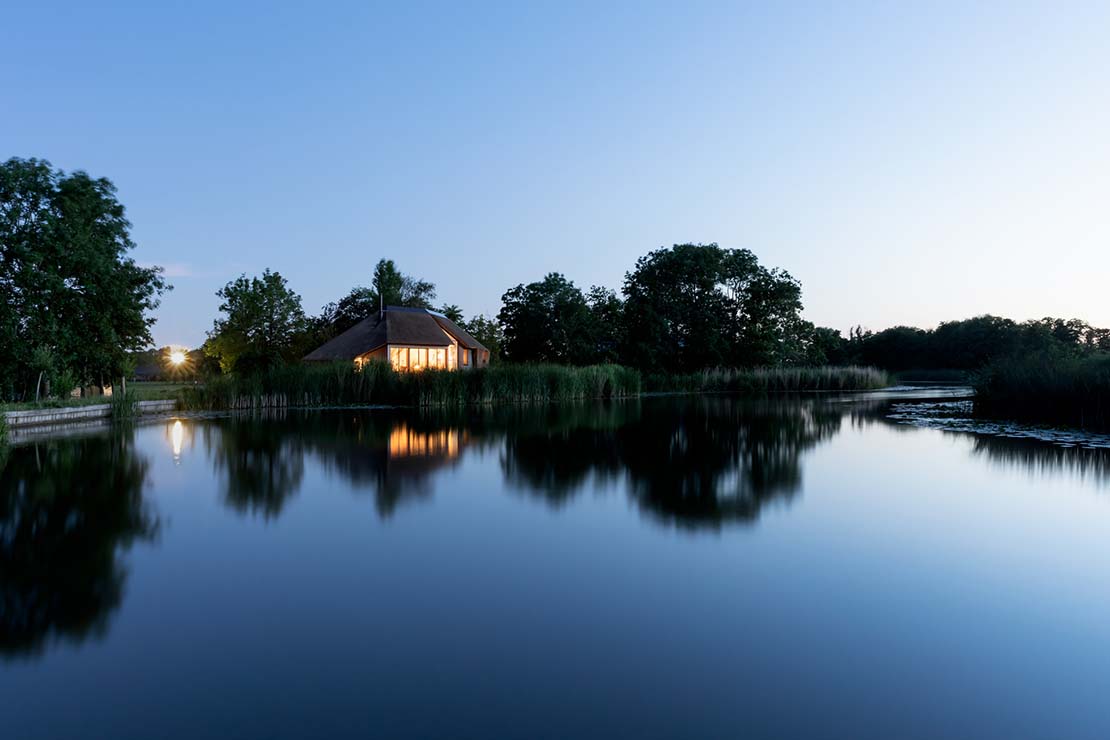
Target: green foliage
(453,312)
(71,300)
(488,332)
(552,321)
(261,324)
(376,383)
(1047,387)
(972,343)
(759,380)
(696,306)
(389,287)
(125,406)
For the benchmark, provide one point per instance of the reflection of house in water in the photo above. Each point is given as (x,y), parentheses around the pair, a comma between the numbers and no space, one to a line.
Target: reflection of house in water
(395,456)
(406,442)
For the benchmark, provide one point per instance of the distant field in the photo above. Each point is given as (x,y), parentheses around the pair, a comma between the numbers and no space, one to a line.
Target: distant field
(155,390)
(143,391)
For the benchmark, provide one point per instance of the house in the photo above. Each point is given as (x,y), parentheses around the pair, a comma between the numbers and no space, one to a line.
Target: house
(407,338)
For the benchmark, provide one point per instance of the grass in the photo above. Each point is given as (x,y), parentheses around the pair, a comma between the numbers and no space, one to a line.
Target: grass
(124,405)
(155,390)
(136,391)
(1048,389)
(376,384)
(773,380)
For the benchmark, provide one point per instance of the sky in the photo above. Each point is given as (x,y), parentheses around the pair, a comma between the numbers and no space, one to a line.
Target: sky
(909,163)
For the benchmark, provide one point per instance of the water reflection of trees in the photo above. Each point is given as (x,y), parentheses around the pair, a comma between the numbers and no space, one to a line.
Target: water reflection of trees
(68,509)
(690,461)
(262,461)
(390,453)
(1041,458)
(694,462)
(1033,450)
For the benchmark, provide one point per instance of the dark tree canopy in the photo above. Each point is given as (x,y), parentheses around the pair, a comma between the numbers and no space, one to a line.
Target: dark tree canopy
(261,325)
(389,287)
(548,321)
(73,304)
(695,306)
(972,343)
(488,332)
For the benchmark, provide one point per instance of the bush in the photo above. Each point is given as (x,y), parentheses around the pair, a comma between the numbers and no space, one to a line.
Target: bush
(1050,388)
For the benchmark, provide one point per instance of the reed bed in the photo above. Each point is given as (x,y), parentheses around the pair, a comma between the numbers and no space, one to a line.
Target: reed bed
(342,384)
(1049,389)
(760,380)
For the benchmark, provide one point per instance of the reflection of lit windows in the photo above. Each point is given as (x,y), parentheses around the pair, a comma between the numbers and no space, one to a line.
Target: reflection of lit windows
(405,442)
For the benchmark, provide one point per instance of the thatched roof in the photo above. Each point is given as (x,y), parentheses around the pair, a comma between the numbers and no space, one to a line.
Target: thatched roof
(461,335)
(409,326)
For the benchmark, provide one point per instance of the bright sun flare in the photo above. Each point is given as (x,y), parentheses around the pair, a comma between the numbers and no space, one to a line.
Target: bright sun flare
(177,357)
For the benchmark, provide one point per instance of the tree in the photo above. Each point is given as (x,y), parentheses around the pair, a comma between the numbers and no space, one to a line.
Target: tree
(827,347)
(453,312)
(695,306)
(261,324)
(68,288)
(389,287)
(547,321)
(488,332)
(606,319)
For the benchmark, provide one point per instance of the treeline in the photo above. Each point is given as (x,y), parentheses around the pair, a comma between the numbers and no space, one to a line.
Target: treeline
(680,310)
(964,345)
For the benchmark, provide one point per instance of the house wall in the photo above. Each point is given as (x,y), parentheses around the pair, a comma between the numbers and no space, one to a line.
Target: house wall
(379,354)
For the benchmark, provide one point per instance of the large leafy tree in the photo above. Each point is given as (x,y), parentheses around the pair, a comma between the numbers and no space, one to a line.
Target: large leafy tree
(695,306)
(70,296)
(547,321)
(389,287)
(261,324)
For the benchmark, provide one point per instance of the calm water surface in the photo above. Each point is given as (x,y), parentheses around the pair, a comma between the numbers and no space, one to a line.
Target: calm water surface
(664,568)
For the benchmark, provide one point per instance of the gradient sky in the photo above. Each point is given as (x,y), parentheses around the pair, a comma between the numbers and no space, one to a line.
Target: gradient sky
(908,162)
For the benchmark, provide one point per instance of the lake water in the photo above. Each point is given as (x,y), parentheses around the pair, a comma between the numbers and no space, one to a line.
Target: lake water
(695,568)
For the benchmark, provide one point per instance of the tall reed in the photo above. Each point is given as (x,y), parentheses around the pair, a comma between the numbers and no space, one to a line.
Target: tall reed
(376,383)
(772,380)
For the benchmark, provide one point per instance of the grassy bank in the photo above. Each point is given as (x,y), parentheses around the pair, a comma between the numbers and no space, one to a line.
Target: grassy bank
(136,391)
(376,383)
(1052,390)
(772,380)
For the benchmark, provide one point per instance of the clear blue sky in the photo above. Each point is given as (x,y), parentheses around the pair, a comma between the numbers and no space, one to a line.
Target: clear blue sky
(908,162)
